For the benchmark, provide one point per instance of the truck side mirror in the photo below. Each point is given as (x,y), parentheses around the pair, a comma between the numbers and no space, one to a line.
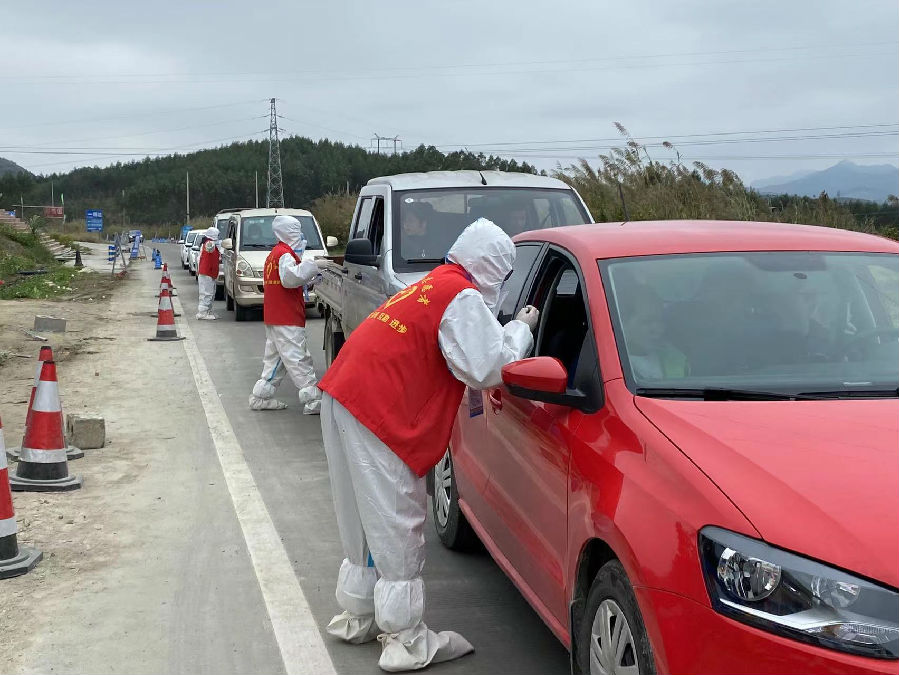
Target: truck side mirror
(331,242)
(227,244)
(359,252)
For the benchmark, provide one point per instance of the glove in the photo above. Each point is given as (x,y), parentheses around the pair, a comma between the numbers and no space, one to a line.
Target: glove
(529,315)
(322,263)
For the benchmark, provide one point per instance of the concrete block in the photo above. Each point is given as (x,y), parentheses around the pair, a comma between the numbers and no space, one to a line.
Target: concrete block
(86,430)
(49,324)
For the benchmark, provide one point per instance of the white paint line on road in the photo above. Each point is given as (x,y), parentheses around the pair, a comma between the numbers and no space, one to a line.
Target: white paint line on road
(302,648)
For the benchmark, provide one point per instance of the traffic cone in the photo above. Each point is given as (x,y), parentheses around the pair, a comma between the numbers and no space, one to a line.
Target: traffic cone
(165,322)
(43,466)
(13,560)
(46,354)
(168,277)
(78,263)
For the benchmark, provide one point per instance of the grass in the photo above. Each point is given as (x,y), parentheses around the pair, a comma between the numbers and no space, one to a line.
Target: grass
(21,251)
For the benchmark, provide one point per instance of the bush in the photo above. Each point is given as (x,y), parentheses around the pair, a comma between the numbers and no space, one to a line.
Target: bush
(334,213)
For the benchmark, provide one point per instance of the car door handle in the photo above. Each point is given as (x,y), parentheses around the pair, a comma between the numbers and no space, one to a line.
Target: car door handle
(345,270)
(357,276)
(496,400)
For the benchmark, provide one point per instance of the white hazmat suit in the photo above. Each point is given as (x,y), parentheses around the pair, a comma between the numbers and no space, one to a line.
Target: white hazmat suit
(206,284)
(381,504)
(285,345)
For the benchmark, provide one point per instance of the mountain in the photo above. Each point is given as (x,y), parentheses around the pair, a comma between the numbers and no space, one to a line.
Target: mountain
(846,179)
(777,180)
(6,166)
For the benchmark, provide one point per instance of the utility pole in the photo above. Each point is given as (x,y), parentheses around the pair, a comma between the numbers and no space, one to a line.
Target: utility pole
(52,197)
(395,139)
(187,183)
(275,196)
(256,185)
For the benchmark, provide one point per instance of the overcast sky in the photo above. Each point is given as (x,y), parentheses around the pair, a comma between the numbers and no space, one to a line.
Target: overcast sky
(541,81)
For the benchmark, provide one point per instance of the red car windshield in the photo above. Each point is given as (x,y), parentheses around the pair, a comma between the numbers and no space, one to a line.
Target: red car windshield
(775,321)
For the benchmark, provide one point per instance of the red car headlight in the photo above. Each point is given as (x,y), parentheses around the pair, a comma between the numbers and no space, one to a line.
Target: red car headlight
(784,593)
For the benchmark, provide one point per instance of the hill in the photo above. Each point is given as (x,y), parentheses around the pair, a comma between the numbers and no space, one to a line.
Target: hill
(152,191)
(10,167)
(845,180)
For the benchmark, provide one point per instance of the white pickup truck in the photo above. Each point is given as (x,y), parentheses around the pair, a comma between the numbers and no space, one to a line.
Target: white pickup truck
(404,225)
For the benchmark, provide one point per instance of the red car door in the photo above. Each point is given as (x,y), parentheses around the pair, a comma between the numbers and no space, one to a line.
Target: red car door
(529,446)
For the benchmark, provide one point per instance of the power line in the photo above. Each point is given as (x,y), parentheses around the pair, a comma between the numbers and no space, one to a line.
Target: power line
(830,49)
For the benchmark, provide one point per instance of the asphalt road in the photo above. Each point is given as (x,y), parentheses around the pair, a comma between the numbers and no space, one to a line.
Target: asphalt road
(465,592)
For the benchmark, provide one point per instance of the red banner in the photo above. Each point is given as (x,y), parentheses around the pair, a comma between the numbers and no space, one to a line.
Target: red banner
(52,212)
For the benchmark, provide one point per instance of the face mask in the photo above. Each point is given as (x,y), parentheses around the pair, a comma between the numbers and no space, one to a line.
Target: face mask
(301,248)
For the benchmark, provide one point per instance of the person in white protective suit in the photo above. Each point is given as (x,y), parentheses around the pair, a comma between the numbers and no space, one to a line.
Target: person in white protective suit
(207,273)
(284,312)
(388,406)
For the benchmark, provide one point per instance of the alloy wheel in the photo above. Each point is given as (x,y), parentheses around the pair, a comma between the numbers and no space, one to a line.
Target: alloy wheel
(443,486)
(612,648)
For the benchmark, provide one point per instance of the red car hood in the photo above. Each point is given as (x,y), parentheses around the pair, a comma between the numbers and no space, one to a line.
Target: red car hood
(820,478)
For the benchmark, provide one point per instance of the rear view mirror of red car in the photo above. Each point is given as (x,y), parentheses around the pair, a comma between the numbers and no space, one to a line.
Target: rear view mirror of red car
(542,374)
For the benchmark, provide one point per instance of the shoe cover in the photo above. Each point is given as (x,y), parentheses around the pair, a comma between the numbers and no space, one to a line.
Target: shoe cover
(310,395)
(200,316)
(257,403)
(312,408)
(418,647)
(356,630)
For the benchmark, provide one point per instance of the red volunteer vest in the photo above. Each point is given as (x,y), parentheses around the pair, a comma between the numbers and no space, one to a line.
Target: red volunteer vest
(281,306)
(392,376)
(209,262)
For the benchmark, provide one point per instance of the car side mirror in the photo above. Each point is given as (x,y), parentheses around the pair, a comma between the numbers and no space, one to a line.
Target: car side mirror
(227,244)
(331,242)
(359,252)
(537,376)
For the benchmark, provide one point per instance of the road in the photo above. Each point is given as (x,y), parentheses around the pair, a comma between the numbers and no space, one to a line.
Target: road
(283,450)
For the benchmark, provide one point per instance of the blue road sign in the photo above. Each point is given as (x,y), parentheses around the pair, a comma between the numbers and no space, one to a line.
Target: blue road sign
(94,219)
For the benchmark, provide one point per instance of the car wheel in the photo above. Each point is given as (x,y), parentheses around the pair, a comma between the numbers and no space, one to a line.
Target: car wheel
(229,302)
(240,313)
(449,521)
(219,292)
(334,340)
(612,637)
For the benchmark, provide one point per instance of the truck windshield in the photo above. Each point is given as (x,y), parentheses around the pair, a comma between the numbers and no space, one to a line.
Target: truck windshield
(256,232)
(426,223)
(787,322)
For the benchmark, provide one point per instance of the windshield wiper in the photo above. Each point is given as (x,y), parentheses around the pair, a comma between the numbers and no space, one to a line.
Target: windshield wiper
(855,393)
(721,394)
(439,261)
(256,245)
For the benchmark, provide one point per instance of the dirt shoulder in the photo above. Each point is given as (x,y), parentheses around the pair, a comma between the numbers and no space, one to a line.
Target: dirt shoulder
(120,554)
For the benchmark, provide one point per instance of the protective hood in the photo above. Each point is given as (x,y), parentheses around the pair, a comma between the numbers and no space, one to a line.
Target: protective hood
(212,233)
(289,230)
(487,254)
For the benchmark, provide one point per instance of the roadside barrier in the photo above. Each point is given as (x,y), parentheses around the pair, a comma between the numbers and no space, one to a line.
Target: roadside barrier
(110,253)
(165,321)
(46,354)
(43,466)
(13,560)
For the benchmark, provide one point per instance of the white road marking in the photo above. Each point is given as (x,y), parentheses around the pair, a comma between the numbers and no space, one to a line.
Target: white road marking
(302,648)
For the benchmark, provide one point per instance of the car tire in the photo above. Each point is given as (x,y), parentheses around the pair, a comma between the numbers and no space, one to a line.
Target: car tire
(453,529)
(334,340)
(240,313)
(611,615)
(219,292)
(229,302)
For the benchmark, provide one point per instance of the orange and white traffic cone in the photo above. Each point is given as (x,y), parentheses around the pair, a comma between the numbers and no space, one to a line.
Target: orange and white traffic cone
(13,560)
(43,466)
(46,354)
(165,321)
(168,278)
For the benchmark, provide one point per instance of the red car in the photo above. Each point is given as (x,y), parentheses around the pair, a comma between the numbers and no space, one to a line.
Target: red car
(698,470)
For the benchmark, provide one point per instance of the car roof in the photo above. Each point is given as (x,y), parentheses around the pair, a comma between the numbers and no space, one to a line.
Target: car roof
(450,179)
(667,237)
(221,211)
(247,213)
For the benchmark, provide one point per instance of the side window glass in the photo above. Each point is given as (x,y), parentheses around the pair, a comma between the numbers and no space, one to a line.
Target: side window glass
(563,314)
(376,231)
(525,255)
(364,219)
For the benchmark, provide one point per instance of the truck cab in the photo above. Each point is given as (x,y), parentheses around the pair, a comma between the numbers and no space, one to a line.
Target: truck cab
(248,242)
(404,225)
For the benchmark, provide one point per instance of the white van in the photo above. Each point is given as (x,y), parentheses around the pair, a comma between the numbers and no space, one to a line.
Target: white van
(249,241)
